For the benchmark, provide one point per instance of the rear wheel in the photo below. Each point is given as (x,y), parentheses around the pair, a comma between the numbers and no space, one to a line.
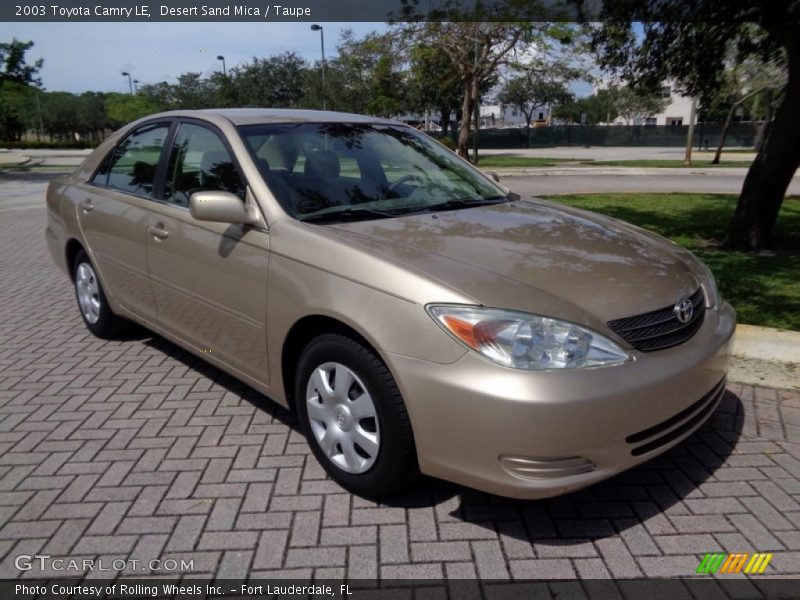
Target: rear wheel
(94,308)
(354,417)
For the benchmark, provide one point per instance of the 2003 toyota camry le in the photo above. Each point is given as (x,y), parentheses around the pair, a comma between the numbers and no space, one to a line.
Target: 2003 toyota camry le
(416,315)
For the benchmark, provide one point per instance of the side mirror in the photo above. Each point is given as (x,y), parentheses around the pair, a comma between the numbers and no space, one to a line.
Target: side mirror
(496,178)
(222,207)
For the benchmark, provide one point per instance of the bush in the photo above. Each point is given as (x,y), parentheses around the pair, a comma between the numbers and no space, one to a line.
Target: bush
(33,144)
(447,142)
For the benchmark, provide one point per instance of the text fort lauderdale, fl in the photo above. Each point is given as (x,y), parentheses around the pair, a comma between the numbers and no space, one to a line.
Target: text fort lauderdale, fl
(143,590)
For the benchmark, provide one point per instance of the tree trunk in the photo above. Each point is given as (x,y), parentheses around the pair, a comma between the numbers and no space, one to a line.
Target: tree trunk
(528,117)
(728,121)
(763,129)
(444,120)
(465,124)
(723,136)
(771,171)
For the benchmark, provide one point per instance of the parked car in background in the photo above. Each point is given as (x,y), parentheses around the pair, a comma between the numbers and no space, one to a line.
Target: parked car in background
(416,315)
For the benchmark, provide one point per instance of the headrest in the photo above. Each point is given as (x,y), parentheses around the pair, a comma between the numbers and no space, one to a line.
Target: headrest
(263,165)
(212,158)
(322,164)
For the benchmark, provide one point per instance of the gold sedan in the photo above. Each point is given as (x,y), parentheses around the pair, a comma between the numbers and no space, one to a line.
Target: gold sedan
(415,314)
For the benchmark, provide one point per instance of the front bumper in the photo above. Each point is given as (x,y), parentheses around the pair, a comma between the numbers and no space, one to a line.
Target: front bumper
(530,434)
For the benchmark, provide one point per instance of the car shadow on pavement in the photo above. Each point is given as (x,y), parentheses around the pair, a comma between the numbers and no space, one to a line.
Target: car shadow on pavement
(627,505)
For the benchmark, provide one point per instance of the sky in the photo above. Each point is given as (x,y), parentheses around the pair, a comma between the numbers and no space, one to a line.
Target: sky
(82,57)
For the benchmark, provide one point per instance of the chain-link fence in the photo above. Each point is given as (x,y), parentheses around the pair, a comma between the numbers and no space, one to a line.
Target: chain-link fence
(705,135)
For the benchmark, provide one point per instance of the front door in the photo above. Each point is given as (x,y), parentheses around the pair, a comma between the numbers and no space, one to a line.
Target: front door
(209,279)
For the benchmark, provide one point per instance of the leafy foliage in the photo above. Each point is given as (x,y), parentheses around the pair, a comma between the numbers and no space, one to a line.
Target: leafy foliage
(691,42)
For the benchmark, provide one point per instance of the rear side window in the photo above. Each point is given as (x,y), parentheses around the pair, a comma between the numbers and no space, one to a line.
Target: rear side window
(200,162)
(132,166)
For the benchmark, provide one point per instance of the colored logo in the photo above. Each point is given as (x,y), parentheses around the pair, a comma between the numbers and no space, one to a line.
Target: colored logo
(743,562)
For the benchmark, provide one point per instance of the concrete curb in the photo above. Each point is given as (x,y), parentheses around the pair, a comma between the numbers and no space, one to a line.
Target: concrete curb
(766,356)
(13,159)
(766,343)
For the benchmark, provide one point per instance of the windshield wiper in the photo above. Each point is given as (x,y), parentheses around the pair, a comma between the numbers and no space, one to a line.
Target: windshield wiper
(347,214)
(456,203)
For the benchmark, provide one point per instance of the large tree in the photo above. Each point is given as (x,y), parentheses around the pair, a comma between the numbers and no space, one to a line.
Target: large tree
(433,83)
(14,67)
(370,75)
(688,41)
(635,105)
(276,81)
(18,84)
(476,50)
(526,93)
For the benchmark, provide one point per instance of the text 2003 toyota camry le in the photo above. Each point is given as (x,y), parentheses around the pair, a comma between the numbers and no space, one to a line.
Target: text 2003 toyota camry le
(416,315)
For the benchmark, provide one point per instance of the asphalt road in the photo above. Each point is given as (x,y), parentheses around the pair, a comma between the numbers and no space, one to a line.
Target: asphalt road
(588,180)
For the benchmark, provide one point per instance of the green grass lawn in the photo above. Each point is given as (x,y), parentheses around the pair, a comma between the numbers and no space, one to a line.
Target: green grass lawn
(504,160)
(508,161)
(666,163)
(764,288)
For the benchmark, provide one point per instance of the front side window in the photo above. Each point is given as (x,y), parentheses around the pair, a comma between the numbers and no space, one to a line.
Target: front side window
(131,167)
(199,161)
(336,171)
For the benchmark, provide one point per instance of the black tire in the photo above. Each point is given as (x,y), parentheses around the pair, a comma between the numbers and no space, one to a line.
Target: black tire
(107,325)
(395,466)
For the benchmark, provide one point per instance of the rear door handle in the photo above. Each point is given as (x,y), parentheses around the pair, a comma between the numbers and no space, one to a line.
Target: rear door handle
(87,206)
(158,231)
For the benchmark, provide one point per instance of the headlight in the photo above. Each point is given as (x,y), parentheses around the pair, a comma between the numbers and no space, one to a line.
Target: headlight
(710,287)
(526,341)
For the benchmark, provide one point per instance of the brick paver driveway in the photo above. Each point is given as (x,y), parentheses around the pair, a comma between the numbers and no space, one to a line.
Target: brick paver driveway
(135,449)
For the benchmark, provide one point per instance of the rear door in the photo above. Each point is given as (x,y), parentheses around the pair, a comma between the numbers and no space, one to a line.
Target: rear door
(113,215)
(209,279)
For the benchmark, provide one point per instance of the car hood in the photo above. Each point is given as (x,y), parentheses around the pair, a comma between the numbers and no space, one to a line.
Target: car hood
(535,256)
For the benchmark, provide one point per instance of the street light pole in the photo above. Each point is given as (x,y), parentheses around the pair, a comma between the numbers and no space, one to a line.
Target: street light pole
(130,81)
(136,85)
(316,27)
(224,70)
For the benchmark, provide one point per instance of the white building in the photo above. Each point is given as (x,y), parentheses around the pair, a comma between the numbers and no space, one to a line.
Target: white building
(677,111)
(495,115)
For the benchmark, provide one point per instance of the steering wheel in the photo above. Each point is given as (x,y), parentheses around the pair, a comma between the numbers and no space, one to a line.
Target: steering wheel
(411,177)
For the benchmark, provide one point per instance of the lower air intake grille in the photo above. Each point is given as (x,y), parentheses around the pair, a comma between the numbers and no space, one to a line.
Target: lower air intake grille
(677,425)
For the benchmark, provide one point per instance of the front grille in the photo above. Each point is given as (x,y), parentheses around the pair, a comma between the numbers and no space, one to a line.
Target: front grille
(660,328)
(677,425)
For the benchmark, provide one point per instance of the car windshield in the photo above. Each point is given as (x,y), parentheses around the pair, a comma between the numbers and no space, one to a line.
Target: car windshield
(328,172)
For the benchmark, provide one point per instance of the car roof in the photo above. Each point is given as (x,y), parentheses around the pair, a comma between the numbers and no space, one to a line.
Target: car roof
(255,116)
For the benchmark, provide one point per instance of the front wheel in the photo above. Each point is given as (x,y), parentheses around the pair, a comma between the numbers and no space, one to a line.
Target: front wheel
(92,302)
(354,417)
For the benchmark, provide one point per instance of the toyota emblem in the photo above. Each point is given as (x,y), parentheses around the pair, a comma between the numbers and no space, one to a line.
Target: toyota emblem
(684,310)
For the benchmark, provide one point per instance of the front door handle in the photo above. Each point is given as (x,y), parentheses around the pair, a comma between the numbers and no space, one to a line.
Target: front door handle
(87,206)
(158,231)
